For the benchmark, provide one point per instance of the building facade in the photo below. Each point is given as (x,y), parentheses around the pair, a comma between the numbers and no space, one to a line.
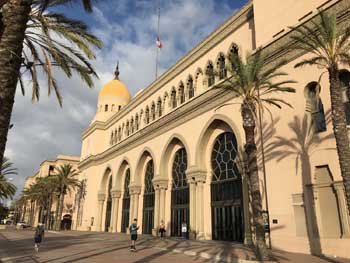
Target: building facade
(172,152)
(33,211)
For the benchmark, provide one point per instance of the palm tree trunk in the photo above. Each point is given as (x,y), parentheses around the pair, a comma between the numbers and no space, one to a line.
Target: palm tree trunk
(15,17)
(57,209)
(58,227)
(247,110)
(340,130)
(48,216)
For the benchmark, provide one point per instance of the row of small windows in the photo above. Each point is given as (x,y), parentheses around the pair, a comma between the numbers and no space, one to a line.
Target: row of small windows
(314,105)
(178,96)
(106,108)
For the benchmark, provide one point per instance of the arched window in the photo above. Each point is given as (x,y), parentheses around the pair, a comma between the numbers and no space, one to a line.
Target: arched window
(108,206)
(190,87)
(132,125)
(137,122)
(314,107)
(173,98)
(147,115)
(179,193)
(226,190)
(106,107)
(115,136)
(148,199)
(221,66)
(119,133)
(344,77)
(181,93)
(119,108)
(127,129)
(153,111)
(126,202)
(210,74)
(159,107)
(112,138)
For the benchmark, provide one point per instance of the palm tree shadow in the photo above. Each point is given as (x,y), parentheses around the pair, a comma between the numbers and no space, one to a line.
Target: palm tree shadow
(304,143)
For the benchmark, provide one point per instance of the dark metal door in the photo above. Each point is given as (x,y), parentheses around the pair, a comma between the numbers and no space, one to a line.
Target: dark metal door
(180,212)
(126,202)
(148,200)
(226,191)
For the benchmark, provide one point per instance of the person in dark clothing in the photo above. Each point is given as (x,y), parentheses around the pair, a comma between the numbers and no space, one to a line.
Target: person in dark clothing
(133,234)
(38,236)
(161,229)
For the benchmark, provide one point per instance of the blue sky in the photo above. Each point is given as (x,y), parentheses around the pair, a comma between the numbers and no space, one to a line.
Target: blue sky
(128,28)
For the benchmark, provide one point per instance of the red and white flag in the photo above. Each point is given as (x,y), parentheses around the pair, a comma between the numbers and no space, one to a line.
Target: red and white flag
(159,44)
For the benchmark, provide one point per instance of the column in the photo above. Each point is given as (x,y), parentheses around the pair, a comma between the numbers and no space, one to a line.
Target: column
(156,208)
(115,208)
(101,198)
(344,216)
(162,203)
(135,191)
(131,209)
(193,212)
(200,207)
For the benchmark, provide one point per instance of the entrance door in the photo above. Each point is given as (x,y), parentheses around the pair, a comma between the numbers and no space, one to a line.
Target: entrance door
(226,190)
(148,200)
(180,212)
(126,202)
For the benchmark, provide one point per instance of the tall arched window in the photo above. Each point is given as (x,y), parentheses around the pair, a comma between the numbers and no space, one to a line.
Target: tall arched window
(190,87)
(226,190)
(127,128)
(147,115)
(210,74)
(173,98)
(137,122)
(344,77)
(115,135)
(119,133)
(126,202)
(181,93)
(159,107)
(221,66)
(109,205)
(180,212)
(314,107)
(112,138)
(148,199)
(153,111)
(132,125)
(106,107)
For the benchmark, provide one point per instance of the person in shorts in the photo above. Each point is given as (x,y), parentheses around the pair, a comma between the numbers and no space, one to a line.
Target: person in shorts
(133,234)
(38,236)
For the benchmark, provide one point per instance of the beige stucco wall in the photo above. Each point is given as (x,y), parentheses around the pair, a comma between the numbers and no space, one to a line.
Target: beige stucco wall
(195,125)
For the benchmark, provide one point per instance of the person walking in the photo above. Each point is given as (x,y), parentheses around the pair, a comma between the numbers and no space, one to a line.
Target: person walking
(133,234)
(161,229)
(38,236)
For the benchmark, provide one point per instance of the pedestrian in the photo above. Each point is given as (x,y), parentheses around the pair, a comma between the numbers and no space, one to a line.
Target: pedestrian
(161,229)
(38,236)
(133,233)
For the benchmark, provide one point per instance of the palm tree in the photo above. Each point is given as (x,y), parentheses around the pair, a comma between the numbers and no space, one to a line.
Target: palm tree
(32,40)
(66,181)
(7,189)
(330,49)
(81,192)
(252,81)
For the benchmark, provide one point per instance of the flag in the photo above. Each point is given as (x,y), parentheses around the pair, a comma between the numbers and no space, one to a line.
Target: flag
(159,44)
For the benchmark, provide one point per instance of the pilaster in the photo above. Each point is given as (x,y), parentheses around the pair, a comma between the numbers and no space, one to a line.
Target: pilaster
(344,216)
(116,193)
(160,185)
(101,197)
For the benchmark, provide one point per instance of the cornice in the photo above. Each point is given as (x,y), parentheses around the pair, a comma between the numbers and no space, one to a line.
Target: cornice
(229,26)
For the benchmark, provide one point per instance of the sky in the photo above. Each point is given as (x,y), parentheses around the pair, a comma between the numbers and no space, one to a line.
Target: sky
(128,29)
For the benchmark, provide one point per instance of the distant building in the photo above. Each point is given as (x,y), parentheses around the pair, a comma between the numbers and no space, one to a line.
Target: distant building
(47,168)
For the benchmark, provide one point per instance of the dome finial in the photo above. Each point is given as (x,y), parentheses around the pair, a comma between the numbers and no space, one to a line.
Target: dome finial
(116,73)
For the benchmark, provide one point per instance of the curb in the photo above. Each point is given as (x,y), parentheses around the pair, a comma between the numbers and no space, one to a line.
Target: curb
(204,255)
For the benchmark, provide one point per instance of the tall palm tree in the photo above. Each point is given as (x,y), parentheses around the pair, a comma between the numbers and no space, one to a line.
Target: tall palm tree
(33,40)
(330,47)
(7,189)
(66,181)
(252,82)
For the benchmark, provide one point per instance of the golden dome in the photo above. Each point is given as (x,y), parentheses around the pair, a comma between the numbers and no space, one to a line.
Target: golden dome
(115,88)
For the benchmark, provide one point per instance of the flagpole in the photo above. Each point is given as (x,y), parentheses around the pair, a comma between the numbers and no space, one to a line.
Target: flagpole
(157,39)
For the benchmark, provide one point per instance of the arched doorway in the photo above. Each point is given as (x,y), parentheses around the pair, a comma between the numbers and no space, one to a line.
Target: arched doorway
(108,205)
(66,222)
(226,190)
(148,200)
(126,202)
(180,212)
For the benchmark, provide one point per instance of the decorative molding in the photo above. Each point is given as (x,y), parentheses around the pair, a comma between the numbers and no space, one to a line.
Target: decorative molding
(160,183)
(116,193)
(195,175)
(134,189)
(101,196)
